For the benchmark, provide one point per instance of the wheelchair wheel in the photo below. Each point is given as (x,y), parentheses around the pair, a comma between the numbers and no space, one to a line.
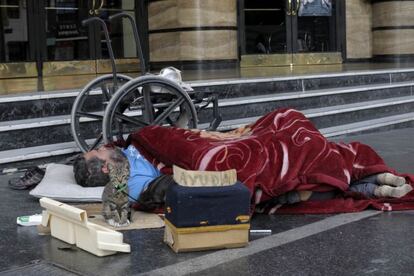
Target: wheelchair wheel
(88,110)
(147,100)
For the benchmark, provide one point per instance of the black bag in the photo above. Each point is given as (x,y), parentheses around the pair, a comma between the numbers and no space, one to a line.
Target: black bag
(203,206)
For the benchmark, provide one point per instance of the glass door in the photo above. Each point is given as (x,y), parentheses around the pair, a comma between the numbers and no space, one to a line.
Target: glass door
(122,37)
(46,38)
(73,49)
(315,25)
(67,47)
(268,27)
(314,32)
(289,32)
(17,52)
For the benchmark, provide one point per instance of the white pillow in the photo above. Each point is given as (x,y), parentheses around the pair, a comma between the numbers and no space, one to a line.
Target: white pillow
(59,184)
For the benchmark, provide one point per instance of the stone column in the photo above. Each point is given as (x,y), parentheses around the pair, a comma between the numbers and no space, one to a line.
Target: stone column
(186,31)
(393,29)
(358,29)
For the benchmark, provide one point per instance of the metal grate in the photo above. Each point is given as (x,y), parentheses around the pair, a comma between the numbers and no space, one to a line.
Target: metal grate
(39,268)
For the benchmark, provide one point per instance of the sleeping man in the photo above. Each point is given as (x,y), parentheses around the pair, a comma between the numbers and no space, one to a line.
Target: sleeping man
(282,158)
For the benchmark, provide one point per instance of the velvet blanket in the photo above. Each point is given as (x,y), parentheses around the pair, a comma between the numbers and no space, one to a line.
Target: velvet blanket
(281,152)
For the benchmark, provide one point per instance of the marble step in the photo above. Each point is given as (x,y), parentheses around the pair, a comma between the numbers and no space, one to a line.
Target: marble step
(346,114)
(344,129)
(35,105)
(55,103)
(231,108)
(247,87)
(385,93)
(56,129)
(388,90)
(19,158)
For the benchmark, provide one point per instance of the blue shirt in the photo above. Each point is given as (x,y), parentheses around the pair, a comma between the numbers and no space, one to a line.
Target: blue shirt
(141,172)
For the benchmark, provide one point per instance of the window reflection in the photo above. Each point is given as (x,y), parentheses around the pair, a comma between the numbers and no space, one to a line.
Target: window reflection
(315,35)
(121,33)
(290,26)
(14,42)
(265,24)
(66,39)
(316,26)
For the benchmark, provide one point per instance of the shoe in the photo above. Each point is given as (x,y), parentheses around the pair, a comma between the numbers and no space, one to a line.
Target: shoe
(31,178)
(390,179)
(388,191)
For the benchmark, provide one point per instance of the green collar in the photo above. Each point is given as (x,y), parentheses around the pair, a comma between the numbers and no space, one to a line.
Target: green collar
(121,187)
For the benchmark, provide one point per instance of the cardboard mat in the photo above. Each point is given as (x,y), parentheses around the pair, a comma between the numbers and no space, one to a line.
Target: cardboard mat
(139,220)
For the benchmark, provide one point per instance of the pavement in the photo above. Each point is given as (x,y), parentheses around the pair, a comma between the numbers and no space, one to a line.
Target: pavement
(368,242)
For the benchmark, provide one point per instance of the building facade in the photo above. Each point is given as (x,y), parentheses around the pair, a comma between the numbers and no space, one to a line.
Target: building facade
(47,38)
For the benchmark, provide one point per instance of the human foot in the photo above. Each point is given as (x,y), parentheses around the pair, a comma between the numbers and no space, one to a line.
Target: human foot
(388,191)
(390,179)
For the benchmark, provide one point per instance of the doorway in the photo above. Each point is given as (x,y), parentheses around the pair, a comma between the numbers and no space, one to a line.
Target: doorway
(290,32)
(46,37)
(70,48)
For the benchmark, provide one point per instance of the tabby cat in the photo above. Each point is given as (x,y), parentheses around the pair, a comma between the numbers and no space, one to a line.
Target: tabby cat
(116,209)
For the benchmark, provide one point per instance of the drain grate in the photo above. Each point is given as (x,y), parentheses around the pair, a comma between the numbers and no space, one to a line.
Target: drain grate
(39,268)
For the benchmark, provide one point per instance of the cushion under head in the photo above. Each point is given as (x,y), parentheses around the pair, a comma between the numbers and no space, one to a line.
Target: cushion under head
(59,183)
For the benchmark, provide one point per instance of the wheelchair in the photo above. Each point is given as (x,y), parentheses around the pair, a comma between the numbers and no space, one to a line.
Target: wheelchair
(111,106)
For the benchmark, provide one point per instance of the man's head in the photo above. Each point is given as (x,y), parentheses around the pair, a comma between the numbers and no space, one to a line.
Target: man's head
(91,168)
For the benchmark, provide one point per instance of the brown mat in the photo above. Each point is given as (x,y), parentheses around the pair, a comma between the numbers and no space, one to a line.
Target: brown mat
(139,220)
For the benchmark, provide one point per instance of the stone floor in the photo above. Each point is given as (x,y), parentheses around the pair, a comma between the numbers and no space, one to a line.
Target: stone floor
(369,242)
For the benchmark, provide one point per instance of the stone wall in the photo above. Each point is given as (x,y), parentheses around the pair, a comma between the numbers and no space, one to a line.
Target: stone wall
(358,29)
(393,31)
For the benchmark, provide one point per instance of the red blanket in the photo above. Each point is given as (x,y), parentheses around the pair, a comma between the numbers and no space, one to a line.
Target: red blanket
(281,152)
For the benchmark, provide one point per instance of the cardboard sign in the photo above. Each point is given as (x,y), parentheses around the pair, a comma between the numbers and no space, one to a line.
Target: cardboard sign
(204,178)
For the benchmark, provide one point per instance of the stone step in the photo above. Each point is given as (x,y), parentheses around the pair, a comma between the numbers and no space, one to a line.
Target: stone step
(261,104)
(247,87)
(385,123)
(35,105)
(56,129)
(400,89)
(357,127)
(36,127)
(56,103)
(351,113)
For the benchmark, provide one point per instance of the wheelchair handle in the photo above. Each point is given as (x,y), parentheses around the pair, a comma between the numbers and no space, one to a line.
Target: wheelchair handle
(108,43)
(136,36)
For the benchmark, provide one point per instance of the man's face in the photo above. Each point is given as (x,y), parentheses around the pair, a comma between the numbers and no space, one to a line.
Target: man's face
(102,153)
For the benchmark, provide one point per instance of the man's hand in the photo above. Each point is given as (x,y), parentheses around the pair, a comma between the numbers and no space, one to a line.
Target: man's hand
(304,195)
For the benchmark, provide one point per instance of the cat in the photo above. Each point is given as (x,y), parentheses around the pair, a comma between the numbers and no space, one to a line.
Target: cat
(116,208)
